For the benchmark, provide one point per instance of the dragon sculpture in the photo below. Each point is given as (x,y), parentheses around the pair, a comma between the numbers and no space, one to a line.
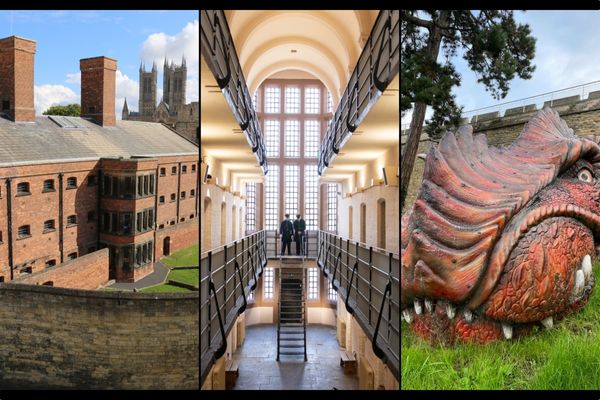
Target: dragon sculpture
(500,240)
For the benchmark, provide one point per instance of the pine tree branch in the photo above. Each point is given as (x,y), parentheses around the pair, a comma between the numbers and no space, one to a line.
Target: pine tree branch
(418,21)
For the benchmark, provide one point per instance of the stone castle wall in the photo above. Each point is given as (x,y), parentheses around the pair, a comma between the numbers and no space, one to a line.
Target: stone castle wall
(583,116)
(80,339)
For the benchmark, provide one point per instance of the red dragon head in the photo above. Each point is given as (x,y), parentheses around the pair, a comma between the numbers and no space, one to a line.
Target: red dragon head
(501,239)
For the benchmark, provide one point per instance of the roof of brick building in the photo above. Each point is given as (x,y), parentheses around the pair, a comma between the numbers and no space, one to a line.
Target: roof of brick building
(45,140)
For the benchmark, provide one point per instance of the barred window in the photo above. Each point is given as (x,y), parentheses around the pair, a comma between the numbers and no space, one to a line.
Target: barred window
(72,220)
(313,283)
(312,100)
(23,231)
(49,185)
(332,207)
(268,280)
(272,99)
(292,99)
(311,187)
(292,138)
(329,102)
(49,225)
(291,180)
(250,207)
(272,198)
(272,138)
(311,138)
(331,293)
(23,188)
(71,182)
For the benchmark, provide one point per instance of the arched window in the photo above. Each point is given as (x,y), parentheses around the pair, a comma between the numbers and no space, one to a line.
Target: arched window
(381,223)
(350,223)
(233,223)
(223,225)
(207,225)
(363,223)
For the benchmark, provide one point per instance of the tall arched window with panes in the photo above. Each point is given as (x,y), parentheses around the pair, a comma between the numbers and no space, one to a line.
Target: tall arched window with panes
(293,114)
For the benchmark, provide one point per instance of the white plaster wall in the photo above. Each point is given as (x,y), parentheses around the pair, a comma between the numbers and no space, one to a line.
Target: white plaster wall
(370,196)
(259,315)
(218,196)
(321,315)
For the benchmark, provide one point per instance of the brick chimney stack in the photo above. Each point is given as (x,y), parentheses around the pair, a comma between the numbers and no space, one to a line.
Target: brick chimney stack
(16,78)
(98,81)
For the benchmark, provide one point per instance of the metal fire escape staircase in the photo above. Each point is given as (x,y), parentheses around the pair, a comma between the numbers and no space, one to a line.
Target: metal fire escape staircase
(291,326)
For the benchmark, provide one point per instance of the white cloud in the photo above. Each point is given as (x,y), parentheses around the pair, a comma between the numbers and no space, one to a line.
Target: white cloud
(51,95)
(186,42)
(126,88)
(74,78)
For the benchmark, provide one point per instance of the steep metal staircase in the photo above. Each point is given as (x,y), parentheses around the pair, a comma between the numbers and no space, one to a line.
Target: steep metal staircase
(291,328)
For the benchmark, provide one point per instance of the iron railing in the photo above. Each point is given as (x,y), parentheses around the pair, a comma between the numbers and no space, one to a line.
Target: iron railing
(227,276)
(368,281)
(377,65)
(219,52)
(274,244)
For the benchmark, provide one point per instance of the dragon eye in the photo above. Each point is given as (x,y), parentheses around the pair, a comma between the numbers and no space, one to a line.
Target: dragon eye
(584,175)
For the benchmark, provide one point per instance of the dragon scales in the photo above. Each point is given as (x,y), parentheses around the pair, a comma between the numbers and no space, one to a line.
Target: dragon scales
(500,240)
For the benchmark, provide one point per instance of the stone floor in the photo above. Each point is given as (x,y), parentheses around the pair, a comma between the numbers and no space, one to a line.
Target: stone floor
(258,368)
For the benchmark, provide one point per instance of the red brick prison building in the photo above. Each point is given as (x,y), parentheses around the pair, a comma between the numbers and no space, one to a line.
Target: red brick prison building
(71,186)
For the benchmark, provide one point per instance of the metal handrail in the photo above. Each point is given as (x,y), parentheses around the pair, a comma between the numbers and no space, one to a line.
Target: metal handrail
(366,296)
(380,53)
(219,52)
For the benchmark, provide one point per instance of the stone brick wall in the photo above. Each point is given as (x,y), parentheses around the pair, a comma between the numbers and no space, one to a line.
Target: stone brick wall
(66,338)
(86,272)
(583,116)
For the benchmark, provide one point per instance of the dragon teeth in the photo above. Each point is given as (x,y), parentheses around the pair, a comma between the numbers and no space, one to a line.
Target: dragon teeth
(468,315)
(586,266)
(450,311)
(579,282)
(429,305)
(548,322)
(418,307)
(507,330)
(407,316)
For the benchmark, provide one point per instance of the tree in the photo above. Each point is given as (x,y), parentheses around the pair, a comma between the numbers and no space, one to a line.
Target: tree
(72,110)
(495,48)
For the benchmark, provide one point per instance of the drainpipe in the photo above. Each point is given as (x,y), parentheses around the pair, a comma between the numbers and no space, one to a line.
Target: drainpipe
(10,235)
(60,217)
(178,189)
(98,216)
(155,212)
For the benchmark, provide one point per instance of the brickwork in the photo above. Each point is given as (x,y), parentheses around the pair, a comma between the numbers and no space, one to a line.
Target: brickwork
(60,338)
(86,272)
(178,237)
(98,89)
(16,78)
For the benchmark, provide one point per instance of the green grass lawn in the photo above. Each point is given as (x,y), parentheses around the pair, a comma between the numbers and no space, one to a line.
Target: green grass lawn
(164,288)
(183,258)
(565,357)
(190,276)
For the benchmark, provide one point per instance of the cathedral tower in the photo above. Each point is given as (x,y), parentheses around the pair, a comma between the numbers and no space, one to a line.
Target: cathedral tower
(147,102)
(174,80)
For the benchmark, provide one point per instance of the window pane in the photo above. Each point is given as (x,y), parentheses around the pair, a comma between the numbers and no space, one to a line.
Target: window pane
(312,100)
(272,99)
(332,207)
(311,138)
(291,179)
(250,207)
(268,279)
(292,100)
(272,138)
(311,177)
(331,293)
(313,284)
(292,138)
(272,198)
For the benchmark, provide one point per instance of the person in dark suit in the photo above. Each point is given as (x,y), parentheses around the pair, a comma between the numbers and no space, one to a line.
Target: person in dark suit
(299,228)
(286,229)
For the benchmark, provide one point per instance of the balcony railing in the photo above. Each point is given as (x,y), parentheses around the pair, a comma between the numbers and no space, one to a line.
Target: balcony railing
(219,52)
(227,275)
(309,245)
(368,280)
(377,66)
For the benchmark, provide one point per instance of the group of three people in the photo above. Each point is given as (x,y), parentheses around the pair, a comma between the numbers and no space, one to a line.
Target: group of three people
(293,231)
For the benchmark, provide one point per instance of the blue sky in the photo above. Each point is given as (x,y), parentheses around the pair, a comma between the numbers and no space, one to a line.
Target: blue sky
(566,55)
(65,37)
